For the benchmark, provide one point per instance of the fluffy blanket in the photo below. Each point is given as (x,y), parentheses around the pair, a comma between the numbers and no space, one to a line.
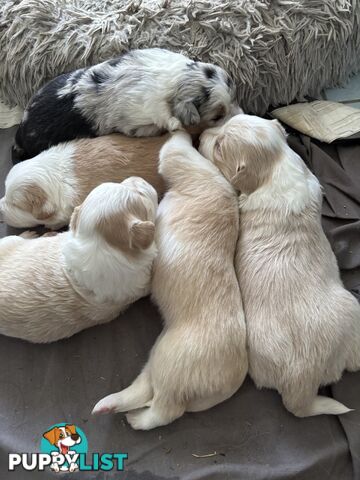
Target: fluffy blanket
(277,51)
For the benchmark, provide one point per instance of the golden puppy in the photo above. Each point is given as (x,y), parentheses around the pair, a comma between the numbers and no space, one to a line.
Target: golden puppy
(303,327)
(53,287)
(200,358)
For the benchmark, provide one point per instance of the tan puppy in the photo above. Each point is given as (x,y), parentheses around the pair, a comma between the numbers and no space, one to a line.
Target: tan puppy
(53,287)
(200,358)
(45,189)
(303,327)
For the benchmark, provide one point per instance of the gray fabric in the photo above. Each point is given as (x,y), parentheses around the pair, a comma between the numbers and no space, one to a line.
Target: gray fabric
(338,169)
(254,436)
(277,51)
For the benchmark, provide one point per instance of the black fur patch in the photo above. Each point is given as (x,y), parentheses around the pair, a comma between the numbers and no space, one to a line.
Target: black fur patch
(210,72)
(77,75)
(17,155)
(51,120)
(206,92)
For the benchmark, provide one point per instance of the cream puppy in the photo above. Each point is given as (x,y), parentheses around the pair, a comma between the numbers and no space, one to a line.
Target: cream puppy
(303,327)
(200,358)
(53,287)
(45,189)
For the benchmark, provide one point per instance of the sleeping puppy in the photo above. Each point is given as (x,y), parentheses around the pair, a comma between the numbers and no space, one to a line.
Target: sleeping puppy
(303,327)
(200,358)
(141,93)
(45,189)
(53,287)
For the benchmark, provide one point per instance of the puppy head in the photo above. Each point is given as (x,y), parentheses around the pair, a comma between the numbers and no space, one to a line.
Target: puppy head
(205,94)
(121,214)
(26,205)
(27,201)
(245,150)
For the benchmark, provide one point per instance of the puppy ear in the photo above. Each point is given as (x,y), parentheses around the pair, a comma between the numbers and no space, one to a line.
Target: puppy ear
(51,435)
(187,113)
(72,428)
(33,199)
(218,148)
(113,229)
(235,173)
(74,219)
(238,179)
(141,234)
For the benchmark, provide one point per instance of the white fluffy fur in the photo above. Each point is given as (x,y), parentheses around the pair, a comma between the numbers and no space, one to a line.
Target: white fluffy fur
(53,171)
(200,358)
(303,327)
(53,287)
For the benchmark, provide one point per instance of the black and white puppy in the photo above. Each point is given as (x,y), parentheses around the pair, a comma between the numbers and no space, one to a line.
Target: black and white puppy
(141,93)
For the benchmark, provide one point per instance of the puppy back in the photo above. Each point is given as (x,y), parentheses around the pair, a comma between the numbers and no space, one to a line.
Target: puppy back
(115,157)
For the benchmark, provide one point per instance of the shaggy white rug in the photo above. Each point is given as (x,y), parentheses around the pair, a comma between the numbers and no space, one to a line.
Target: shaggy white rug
(277,51)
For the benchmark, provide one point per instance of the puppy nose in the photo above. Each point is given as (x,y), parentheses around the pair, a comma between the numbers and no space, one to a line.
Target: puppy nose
(75,436)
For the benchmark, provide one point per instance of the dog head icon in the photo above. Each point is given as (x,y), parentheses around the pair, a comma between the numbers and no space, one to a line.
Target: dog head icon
(63,437)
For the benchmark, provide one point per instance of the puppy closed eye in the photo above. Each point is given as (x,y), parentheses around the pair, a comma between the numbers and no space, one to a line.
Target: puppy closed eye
(217,118)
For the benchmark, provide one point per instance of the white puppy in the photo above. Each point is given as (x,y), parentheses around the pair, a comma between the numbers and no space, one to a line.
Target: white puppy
(53,287)
(303,327)
(45,189)
(200,358)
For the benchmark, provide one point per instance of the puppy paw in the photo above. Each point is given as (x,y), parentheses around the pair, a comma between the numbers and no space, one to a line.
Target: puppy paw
(140,419)
(187,113)
(103,407)
(29,234)
(146,419)
(174,124)
(181,137)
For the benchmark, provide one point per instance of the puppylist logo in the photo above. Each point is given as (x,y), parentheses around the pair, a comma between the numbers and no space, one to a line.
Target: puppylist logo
(64,448)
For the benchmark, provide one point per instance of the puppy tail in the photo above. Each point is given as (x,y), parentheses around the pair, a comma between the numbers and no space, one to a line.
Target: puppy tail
(326,406)
(139,394)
